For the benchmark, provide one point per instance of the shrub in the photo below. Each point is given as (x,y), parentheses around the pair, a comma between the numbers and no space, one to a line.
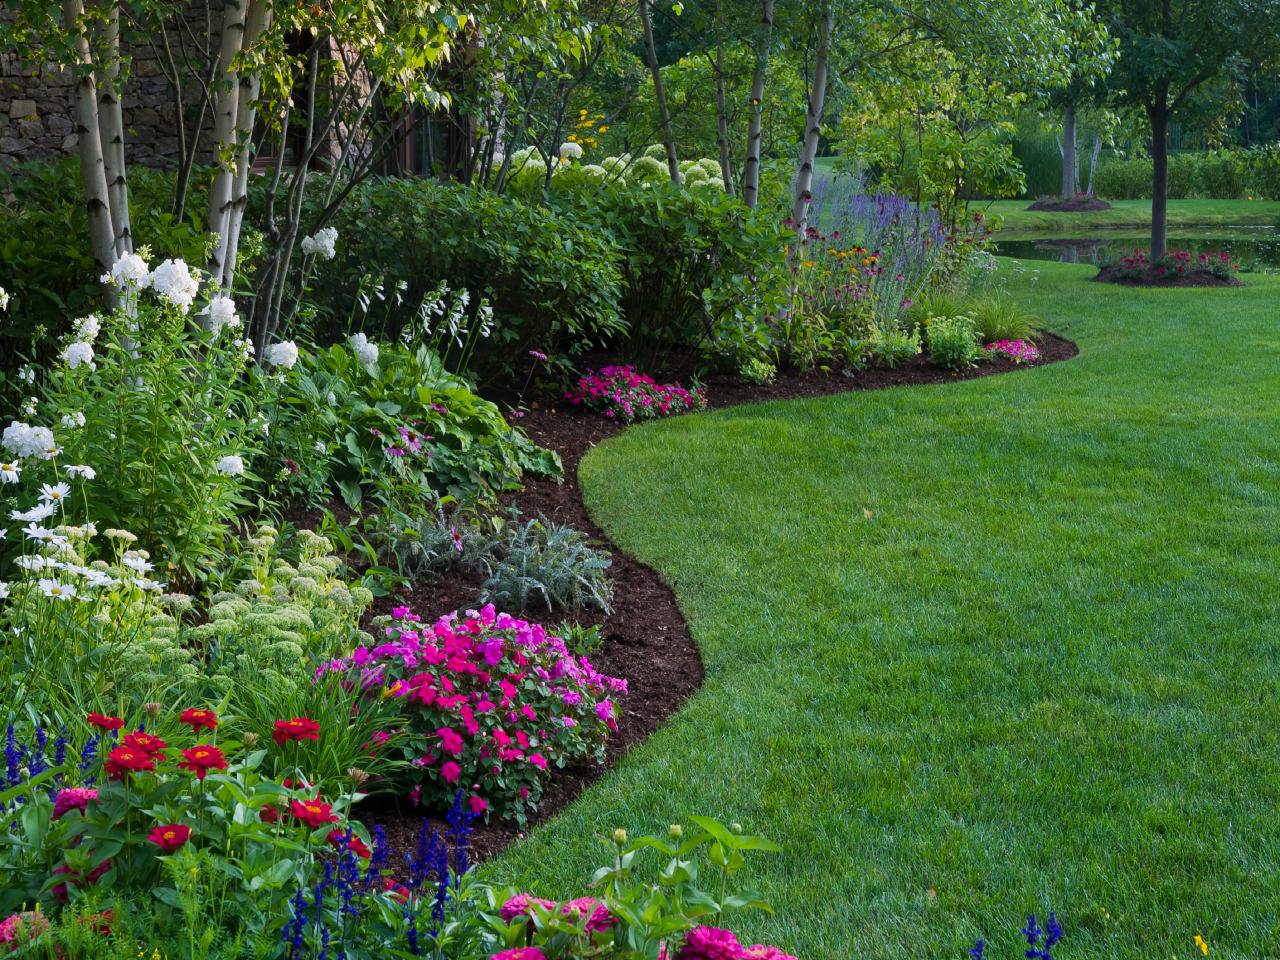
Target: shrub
(757,371)
(490,702)
(621,393)
(541,563)
(953,342)
(553,283)
(1216,174)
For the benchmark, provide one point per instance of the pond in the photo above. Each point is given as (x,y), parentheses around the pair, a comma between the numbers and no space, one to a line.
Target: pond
(1252,247)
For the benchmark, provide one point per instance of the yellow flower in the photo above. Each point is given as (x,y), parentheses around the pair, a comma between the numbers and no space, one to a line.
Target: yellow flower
(604,129)
(1202,945)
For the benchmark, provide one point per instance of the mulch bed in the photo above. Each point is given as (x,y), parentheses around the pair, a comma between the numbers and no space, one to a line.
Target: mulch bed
(1114,274)
(1069,205)
(646,638)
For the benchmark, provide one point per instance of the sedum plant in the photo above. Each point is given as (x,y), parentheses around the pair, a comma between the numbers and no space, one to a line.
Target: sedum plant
(546,564)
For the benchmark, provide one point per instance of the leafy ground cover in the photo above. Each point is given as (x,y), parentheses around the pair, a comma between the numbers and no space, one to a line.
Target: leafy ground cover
(981,648)
(1132,214)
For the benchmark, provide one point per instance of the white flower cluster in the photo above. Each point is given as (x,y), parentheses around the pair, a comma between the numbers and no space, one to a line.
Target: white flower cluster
(73,420)
(23,440)
(4,300)
(321,243)
(129,272)
(365,350)
(570,151)
(78,353)
(174,282)
(282,354)
(222,313)
(231,465)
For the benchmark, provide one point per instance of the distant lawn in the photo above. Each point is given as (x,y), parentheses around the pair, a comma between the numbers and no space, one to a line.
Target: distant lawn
(1130,214)
(1044,673)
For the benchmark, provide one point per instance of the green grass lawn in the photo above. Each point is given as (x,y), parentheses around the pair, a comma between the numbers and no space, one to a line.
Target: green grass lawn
(1043,674)
(1132,213)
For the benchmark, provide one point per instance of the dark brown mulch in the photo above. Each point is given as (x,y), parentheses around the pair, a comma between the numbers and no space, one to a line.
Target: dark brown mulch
(1079,204)
(646,638)
(1114,274)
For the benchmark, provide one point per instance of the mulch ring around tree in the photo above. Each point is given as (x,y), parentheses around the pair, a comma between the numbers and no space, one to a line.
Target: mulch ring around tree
(1115,274)
(1079,204)
(646,637)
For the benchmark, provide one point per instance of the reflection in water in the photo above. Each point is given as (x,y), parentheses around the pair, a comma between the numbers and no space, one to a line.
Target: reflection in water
(1254,248)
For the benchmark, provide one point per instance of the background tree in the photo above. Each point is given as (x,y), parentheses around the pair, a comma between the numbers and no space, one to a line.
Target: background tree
(1173,50)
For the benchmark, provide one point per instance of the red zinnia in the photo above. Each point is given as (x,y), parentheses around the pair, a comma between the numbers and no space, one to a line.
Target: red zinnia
(202,758)
(141,740)
(269,815)
(357,846)
(299,728)
(170,836)
(103,722)
(125,760)
(313,813)
(196,719)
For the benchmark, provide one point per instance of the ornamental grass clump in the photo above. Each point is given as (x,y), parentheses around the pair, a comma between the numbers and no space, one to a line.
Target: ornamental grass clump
(490,704)
(622,393)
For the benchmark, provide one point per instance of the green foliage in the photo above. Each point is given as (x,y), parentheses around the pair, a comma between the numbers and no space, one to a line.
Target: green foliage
(758,371)
(953,342)
(541,563)
(889,345)
(427,544)
(1214,175)
(999,316)
(553,282)
(401,428)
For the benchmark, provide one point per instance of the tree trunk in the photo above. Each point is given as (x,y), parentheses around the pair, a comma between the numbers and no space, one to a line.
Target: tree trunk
(1158,114)
(92,169)
(659,93)
(751,169)
(111,135)
(257,22)
(1093,161)
(722,124)
(226,101)
(1068,151)
(813,122)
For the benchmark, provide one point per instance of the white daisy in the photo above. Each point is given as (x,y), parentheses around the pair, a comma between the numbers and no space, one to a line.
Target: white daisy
(34,532)
(54,493)
(83,472)
(137,564)
(35,563)
(59,591)
(41,511)
(9,472)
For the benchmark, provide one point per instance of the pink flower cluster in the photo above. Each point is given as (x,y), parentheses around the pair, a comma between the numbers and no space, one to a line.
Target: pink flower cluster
(713,943)
(1019,351)
(589,911)
(620,393)
(493,704)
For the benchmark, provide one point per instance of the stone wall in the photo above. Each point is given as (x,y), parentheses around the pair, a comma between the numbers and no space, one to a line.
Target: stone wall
(37,111)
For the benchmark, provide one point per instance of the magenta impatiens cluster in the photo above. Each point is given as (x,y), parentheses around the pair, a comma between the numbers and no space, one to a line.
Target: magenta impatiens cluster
(622,393)
(1019,351)
(1177,263)
(493,705)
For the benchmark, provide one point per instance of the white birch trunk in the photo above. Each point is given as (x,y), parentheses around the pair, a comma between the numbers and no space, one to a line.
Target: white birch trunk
(755,127)
(226,100)
(111,136)
(257,23)
(92,170)
(813,122)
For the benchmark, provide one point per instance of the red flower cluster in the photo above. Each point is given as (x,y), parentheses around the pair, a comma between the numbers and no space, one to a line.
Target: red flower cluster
(103,722)
(202,758)
(123,761)
(314,813)
(196,719)
(295,730)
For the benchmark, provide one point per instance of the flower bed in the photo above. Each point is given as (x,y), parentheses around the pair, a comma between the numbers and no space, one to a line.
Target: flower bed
(622,393)
(1176,268)
(1019,351)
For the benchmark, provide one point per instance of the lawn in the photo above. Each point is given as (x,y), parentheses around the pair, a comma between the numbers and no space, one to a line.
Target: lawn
(1041,673)
(1130,214)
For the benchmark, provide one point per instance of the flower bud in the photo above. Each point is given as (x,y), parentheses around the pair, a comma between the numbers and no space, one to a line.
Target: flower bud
(735,827)
(676,831)
(251,739)
(358,776)
(152,709)
(619,836)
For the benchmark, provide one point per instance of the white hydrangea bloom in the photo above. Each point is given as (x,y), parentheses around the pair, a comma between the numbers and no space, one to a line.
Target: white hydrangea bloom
(129,271)
(24,440)
(174,282)
(570,151)
(231,465)
(283,354)
(365,351)
(222,313)
(78,353)
(321,243)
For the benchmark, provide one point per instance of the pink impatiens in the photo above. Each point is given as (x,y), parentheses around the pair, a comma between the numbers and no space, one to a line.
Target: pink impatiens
(620,393)
(493,704)
(1019,351)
